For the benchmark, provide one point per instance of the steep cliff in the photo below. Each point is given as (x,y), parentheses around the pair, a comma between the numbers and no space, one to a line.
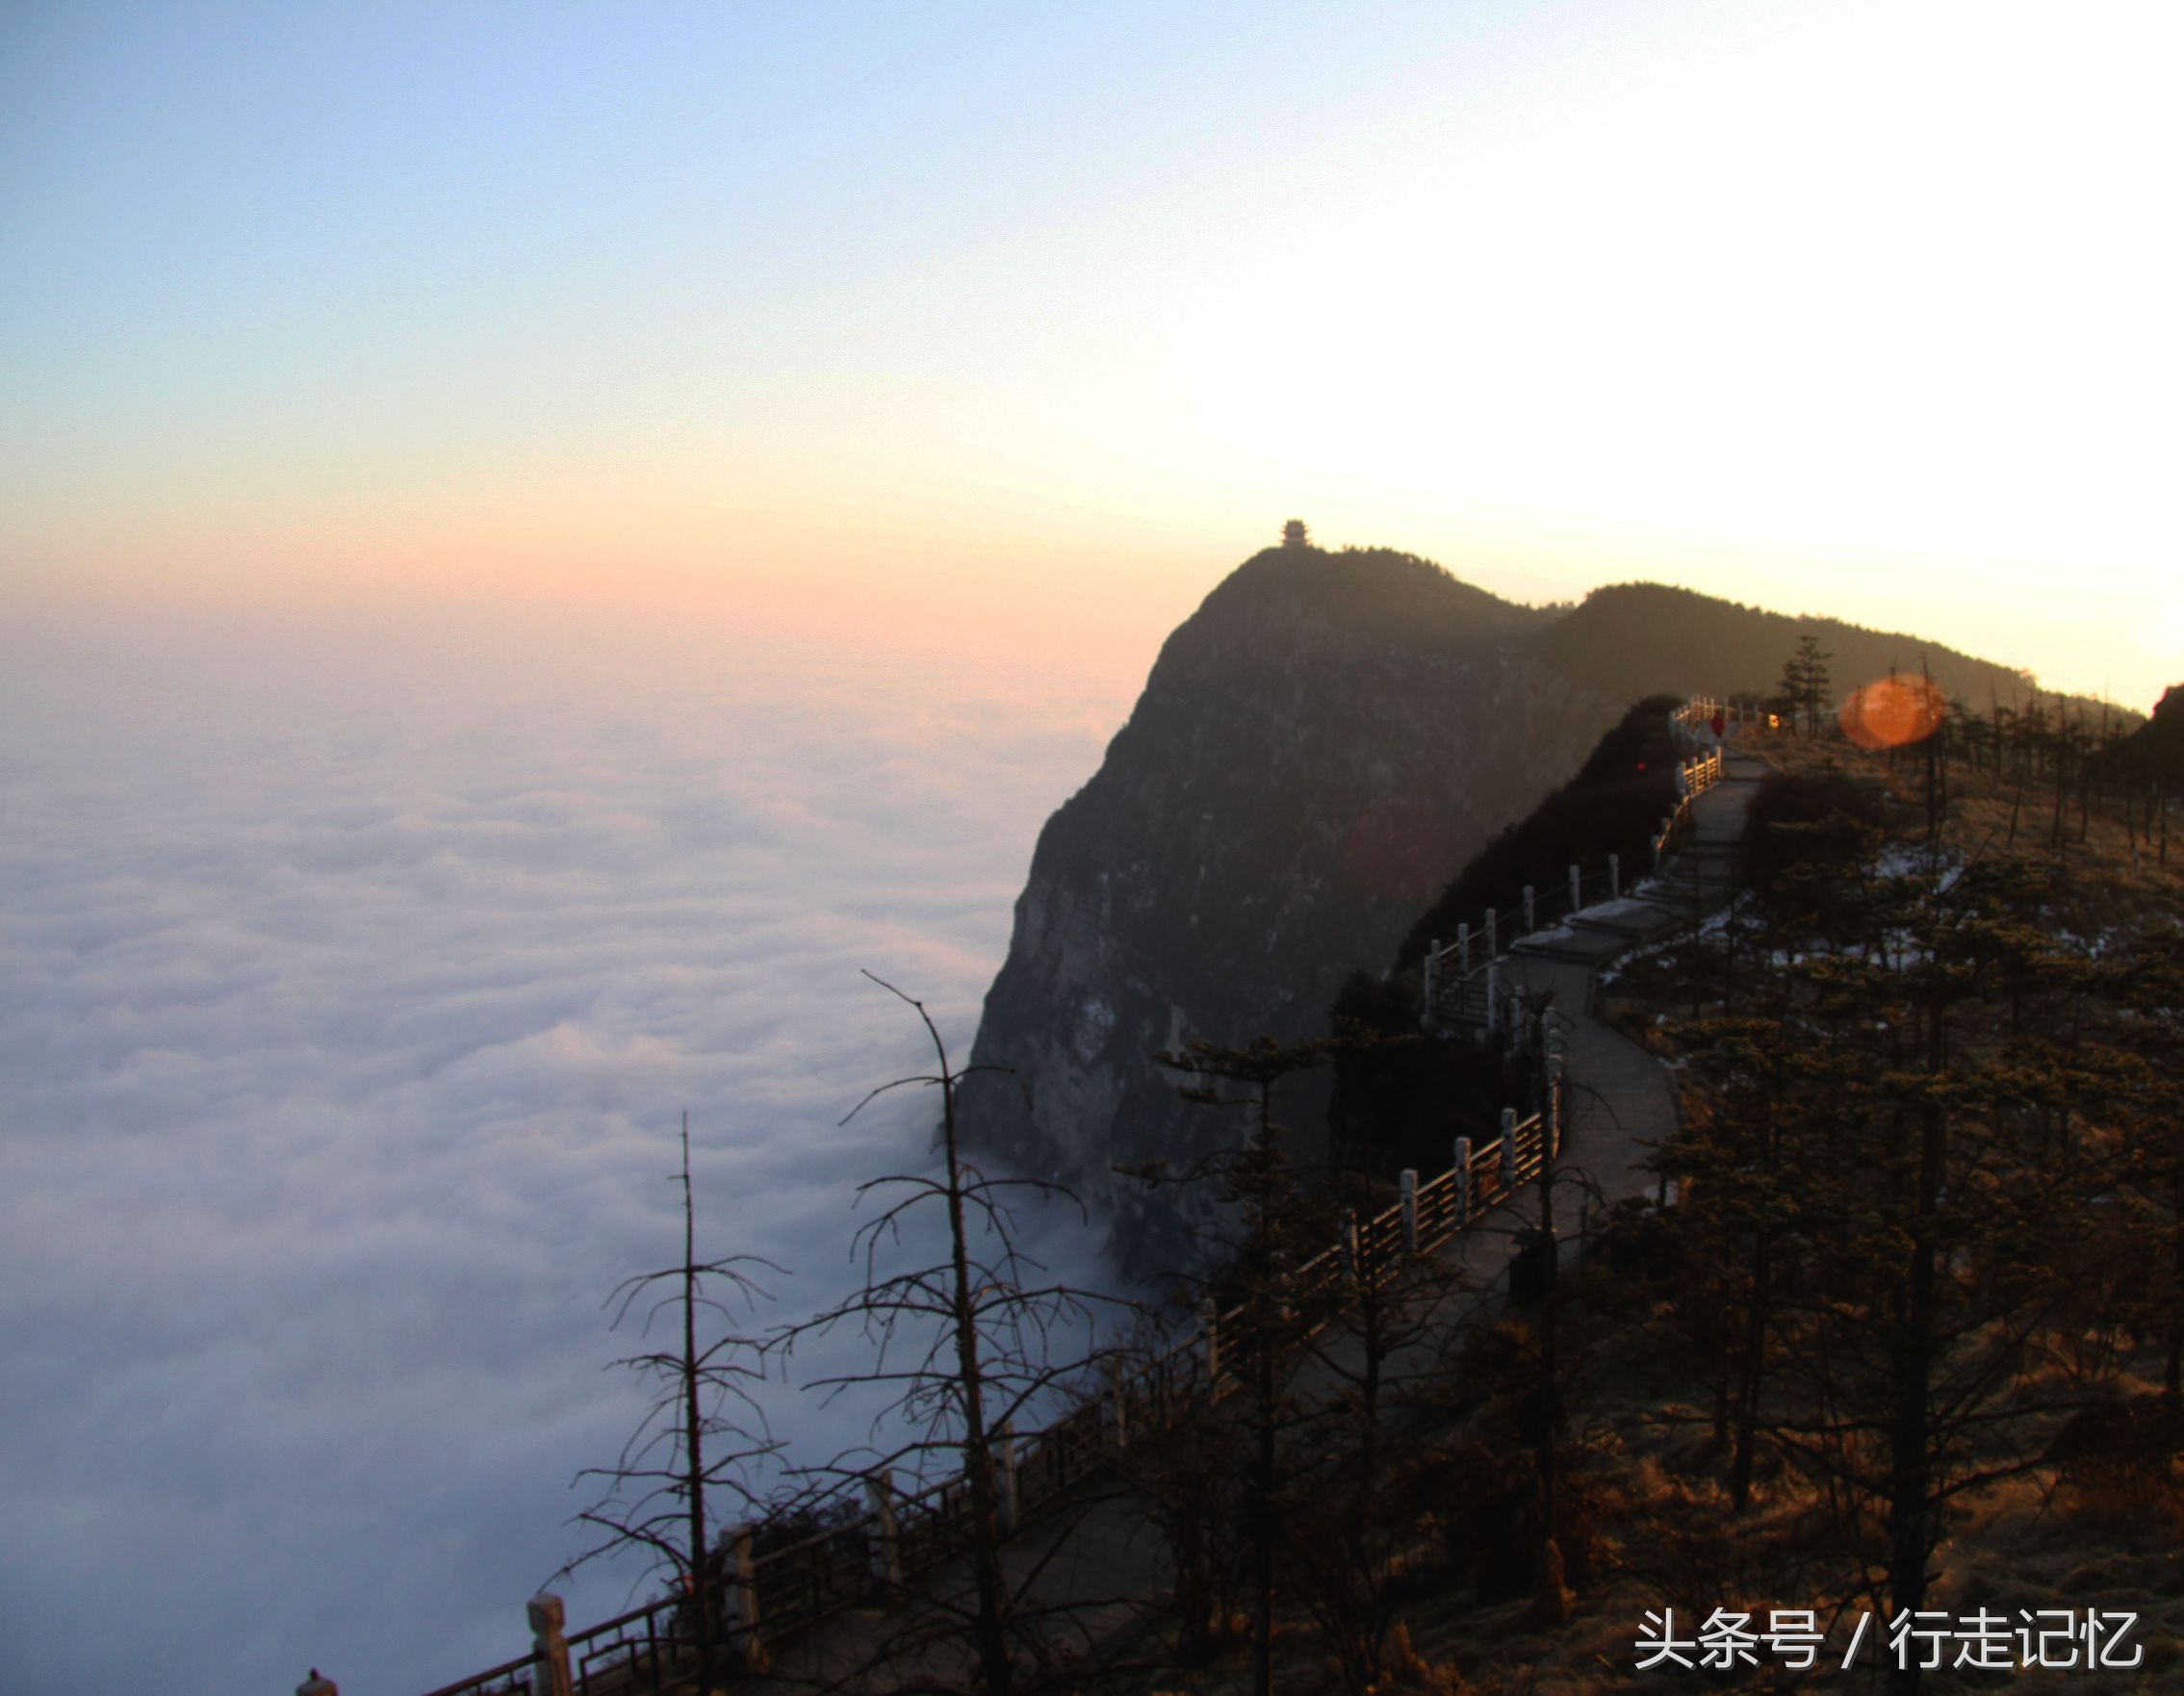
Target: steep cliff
(1319,749)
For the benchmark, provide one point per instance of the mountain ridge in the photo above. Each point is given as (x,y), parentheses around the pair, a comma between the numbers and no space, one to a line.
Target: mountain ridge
(1694,641)
(1320,748)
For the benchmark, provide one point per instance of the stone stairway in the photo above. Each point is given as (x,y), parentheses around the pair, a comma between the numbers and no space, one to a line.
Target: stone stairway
(1698,880)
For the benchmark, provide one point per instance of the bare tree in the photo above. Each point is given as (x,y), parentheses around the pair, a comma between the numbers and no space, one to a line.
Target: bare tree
(967,1345)
(700,1437)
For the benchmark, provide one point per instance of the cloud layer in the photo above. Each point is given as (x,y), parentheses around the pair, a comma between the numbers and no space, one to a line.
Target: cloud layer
(352,983)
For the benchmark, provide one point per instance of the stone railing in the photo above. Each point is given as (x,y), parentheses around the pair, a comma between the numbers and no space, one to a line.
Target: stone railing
(767,1599)
(1462,984)
(1694,778)
(1694,720)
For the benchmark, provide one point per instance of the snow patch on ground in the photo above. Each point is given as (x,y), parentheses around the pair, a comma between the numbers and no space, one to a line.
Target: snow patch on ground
(1905,860)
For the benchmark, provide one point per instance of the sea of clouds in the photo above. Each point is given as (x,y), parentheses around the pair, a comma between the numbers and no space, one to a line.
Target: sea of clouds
(355,976)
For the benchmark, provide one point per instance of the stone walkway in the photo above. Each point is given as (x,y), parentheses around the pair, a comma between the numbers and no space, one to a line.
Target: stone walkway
(1621,1101)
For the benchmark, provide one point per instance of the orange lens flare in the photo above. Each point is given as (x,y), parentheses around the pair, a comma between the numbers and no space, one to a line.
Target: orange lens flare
(1893,712)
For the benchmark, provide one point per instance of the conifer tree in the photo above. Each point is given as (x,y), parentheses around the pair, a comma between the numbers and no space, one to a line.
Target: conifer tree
(1263,1314)
(1805,683)
(1379,1358)
(1739,1166)
(1930,1208)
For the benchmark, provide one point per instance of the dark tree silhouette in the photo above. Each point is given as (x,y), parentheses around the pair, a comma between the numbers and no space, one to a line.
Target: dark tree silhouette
(1900,1223)
(1280,1228)
(965,1346)
(698,1441)
(1382,1357)
(1805,683)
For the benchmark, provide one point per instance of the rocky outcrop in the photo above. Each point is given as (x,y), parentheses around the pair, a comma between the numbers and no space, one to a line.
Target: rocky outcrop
(1318,751)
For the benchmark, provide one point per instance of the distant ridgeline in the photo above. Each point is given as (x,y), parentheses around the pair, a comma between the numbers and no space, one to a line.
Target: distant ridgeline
(1321,749)
(1637,640)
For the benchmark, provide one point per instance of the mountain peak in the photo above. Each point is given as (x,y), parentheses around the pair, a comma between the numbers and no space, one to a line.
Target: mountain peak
(1281,803)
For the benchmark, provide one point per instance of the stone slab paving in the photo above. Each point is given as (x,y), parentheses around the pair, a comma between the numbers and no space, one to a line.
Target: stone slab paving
(1621,1100)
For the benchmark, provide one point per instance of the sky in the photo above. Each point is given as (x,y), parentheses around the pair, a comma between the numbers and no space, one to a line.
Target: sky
(867,319)
(537,543)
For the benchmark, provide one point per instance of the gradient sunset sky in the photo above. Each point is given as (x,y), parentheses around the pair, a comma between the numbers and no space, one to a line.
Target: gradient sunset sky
(1027,322)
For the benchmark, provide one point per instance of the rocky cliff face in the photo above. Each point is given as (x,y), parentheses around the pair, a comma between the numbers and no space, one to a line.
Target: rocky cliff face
(1319,750)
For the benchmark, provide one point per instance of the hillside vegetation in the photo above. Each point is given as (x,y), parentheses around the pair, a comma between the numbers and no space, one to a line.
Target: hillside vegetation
(1635,639)
(1614,805)
(1908,1338)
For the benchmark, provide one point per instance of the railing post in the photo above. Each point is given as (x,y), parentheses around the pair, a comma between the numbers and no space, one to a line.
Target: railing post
(1493,995)
(1463,950)
(1005,1478)
(1410,1208)
(1118,1402)
(1509,1150)
(1463,1182)
(549,1643)
(1491,949)
(1577,886)
(1529,926)
(743,1589)
(1615,877)
(1209,1331)
(879,1494)
(1349,1240)
(1425,1016)
(1553,1105)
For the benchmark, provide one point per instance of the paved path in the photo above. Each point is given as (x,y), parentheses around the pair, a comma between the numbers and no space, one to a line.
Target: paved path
(1621,1099)
(1106,1556)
